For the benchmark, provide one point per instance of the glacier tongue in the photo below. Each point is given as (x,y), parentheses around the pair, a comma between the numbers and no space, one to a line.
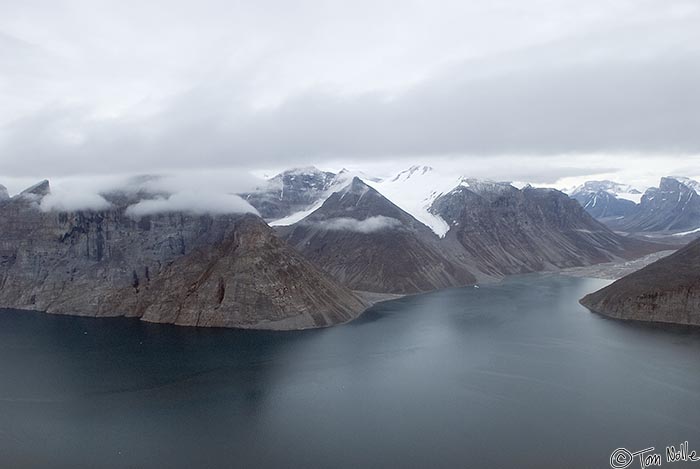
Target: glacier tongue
(413,190)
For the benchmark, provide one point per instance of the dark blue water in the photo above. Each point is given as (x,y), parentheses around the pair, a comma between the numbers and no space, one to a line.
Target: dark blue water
(511,375)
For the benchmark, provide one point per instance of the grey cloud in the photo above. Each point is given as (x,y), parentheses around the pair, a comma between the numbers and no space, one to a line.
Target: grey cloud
(71,201)
(638,105)
(368,225)
(610,88)
(192,202)
(203,191)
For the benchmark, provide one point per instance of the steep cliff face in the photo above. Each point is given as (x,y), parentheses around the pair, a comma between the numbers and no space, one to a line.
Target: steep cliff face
(199,270)
(366,242)
(504,230)
(248,272)
(290,191)
(666,291)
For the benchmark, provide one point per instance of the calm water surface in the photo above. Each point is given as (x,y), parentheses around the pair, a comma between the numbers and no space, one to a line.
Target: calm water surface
(510,375)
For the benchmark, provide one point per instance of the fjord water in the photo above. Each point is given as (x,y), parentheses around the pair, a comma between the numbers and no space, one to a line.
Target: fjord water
(509,375)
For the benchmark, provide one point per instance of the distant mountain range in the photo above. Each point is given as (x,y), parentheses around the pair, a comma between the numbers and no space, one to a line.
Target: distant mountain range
(434,231)
(672,208)
(333,237)
(605,199)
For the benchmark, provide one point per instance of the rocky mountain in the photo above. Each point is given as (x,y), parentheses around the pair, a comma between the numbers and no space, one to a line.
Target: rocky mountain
(692,183)
(494,229)
(233,270)
(673,206)
(368,243)
(666,291)
(196,270)
(505,230)
(289,192)
(606,199)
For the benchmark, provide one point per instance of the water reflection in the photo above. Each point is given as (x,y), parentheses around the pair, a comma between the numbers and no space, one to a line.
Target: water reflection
(515,374)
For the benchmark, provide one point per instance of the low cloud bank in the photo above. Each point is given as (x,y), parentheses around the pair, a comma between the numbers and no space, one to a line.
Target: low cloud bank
(192,202)
(368,225)
(204,191)
(67,201)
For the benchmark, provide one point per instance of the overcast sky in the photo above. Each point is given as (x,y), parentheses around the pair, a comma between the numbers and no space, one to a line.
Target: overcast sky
(550,91)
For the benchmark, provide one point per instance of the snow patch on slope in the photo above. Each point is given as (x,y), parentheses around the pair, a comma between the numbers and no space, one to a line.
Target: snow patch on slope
(696,230)
(621,191)
(297,216)
(692,183)
(415,189)
(339,182)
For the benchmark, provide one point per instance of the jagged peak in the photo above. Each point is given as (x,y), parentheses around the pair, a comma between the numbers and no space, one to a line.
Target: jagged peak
(300,171)
(4,195)
(356,186)
(413,170)
(40,189)
(686,181)
(484,185)
(604,186)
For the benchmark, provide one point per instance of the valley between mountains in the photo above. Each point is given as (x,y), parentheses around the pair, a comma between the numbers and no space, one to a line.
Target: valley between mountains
(312,249)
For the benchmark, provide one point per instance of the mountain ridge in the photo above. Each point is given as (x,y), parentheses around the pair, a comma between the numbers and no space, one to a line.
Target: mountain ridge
(106,263)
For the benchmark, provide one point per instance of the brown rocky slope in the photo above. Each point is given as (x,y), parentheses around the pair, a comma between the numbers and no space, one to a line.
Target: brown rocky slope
(195,270)
(666,291)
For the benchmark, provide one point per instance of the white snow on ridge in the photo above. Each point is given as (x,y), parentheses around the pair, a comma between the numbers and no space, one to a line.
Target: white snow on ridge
(696,230)
(342,179)
(297,216)
(415,189)
(692,183)
(621,191)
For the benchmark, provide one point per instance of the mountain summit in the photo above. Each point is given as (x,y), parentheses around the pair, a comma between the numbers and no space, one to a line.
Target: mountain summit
(368,243)
(673,206)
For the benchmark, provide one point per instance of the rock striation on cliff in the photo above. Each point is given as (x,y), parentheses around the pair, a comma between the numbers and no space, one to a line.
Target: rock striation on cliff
(500,230)
(180,268)
(666,291)
(366,242)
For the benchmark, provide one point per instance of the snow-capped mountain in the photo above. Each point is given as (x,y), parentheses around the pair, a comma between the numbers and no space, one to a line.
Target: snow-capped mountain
(290,192)
(295,194)
(454,231)
(607,199)
(673,206)
(692,183)
(369,243)
(415,189)
(621,191)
